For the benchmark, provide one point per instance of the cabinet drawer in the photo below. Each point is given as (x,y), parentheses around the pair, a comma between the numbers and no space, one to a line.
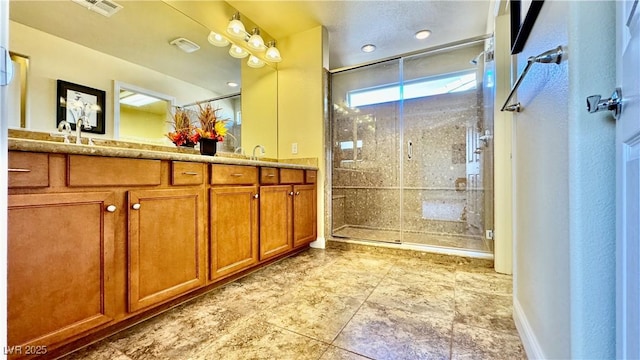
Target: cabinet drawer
(233,174)
(100,171)
(291,176)
(187,173)
(311,176)
(269,176)
(28,169)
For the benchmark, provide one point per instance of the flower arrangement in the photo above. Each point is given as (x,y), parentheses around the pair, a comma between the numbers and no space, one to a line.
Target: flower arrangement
(211,126)
(184,133)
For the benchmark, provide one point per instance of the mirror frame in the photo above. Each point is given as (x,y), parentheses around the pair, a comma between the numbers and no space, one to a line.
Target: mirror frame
(23,75)
(119,86)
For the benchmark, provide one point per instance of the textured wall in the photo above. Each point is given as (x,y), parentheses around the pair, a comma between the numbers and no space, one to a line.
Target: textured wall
(541,188)
(564,278)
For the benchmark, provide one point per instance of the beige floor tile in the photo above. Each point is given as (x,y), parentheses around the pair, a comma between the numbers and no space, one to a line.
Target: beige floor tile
(179,331)
(99,351)
(248,296)
(475,343)
(313,314)
(430,270)
(379,332)
(369,263)
(367,303)
(343,283)
(334,353)
(491,282)
(257,340)
(484,310)
(415,293)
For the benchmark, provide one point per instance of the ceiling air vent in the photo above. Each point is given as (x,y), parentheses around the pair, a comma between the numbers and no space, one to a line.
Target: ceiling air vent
(185,45)
(102,7)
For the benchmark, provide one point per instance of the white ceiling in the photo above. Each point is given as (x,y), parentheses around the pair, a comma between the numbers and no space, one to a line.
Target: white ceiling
(390,24)
(141,31)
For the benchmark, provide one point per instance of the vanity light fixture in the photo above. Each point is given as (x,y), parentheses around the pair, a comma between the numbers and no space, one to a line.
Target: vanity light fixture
(238,52)
(236,27)
(254,62)
(368,48)
(273,54)
(217,39)
(422,34)
(255,41)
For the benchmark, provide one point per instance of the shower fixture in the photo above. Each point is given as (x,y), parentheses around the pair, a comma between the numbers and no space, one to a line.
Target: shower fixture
(475,60)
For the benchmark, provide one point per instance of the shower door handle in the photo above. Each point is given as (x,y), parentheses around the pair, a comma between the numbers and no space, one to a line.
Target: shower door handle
(409,149)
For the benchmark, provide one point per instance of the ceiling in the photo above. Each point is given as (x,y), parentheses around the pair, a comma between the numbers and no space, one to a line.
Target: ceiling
(390,24)
(136,35)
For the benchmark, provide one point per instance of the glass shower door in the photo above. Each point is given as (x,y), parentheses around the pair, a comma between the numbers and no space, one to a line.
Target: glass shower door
(443,163)
(365,143)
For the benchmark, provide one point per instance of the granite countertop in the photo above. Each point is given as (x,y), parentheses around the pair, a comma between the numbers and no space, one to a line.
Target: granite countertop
(140,151)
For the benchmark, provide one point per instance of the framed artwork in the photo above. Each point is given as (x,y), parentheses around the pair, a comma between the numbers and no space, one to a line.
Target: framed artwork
(523,15)
(78,101)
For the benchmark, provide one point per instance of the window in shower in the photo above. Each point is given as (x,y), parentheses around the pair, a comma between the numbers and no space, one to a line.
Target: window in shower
(436,85)
(411,159)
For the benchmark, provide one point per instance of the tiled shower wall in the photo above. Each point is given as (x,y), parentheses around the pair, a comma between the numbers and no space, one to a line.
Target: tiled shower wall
(366,185)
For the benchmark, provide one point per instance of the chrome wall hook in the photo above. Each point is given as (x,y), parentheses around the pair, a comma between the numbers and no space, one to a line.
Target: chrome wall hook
(614,103)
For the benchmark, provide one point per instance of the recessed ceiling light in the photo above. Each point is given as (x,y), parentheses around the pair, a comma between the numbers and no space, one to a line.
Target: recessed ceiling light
(232,84)
(368,48)
(423,34)
(137,99)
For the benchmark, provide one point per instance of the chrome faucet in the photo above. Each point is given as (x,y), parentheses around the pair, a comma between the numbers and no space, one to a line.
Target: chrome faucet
(253,156)
(65,128)
(80,123)
(239,150)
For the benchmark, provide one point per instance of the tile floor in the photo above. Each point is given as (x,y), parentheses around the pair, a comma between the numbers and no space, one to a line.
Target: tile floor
(339,303)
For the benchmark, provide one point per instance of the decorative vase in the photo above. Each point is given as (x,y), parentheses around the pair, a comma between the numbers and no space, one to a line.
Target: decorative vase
(208,146)
(188,145)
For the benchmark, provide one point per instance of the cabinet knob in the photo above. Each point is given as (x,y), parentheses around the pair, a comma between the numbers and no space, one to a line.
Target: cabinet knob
(297,192)
(135,206)
(111,208)
(255,196)
(291,193)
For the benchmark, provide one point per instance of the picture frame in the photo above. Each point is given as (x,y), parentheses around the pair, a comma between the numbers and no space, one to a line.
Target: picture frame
(523,16)
(74,101)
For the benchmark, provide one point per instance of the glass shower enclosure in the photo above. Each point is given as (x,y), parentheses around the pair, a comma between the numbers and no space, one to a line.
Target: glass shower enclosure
(412,151)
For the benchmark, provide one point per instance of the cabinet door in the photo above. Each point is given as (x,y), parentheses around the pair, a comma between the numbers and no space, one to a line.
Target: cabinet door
(275,220)
(233,230)
(60,266)
(304,214)
(165,244)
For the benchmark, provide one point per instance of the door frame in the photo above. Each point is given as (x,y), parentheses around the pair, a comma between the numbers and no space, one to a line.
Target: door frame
(4,42)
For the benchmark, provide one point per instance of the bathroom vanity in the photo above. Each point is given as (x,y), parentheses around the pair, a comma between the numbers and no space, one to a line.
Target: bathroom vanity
(102,237)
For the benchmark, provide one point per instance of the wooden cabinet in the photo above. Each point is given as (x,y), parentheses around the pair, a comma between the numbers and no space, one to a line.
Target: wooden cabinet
(276,208)
(98,243)
(60,266)
(304,214)
(28,170)
(287,213)
(166,244)
(233,230)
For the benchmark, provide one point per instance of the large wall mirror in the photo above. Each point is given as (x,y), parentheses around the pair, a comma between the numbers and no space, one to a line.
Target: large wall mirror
(131,51)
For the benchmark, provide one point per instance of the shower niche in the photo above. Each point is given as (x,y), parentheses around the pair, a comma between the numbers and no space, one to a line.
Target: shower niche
(411,150)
